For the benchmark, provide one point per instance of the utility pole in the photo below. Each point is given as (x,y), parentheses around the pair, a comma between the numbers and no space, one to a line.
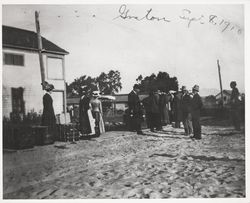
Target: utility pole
(40,47)
(220,82)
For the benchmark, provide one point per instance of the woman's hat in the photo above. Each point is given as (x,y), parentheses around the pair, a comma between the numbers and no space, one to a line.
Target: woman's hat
(184,88)
(49,87)
(196,88)
(96,93)
(233,83)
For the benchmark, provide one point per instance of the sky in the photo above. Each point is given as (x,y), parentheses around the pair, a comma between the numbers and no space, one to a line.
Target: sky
(183,40)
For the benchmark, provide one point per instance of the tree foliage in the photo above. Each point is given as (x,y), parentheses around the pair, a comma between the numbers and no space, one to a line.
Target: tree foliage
(161,81)
(107,83)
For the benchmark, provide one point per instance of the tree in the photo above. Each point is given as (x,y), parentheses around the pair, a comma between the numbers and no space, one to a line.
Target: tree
(84,83)
(162,81)
(107,84)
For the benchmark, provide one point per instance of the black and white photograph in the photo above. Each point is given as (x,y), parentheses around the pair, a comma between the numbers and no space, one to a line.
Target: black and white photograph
(124,101)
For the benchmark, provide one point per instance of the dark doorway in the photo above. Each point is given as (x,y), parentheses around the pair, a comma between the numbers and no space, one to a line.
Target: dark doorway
(17,100)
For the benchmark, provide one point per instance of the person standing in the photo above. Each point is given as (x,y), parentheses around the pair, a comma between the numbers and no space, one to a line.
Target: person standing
(177,109)
(158,123)
(164,108)
(48,116)
(186,111)
(84,106)
(235,105)
(135,109)
(196,105)
(97,113)
(153,111)
(146,105)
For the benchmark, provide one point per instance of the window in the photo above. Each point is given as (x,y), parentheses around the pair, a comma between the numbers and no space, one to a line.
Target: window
(17,100)
(13,59)
(54,68)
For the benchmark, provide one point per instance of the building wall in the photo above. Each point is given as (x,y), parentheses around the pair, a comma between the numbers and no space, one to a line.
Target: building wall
(28,77)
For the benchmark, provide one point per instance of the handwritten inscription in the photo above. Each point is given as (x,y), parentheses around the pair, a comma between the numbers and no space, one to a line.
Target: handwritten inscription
(186,15)
(211,19)
(124,13)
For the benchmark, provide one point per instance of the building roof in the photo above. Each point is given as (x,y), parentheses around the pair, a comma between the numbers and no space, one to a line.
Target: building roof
(24,39)
(119,98)
(226,92)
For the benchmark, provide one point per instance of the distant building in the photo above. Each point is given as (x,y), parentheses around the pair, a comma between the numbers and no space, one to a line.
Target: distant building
(21,86)
(226,97)
(209,102)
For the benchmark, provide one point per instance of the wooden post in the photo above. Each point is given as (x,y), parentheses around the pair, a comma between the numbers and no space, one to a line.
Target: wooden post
(40,46)
(220,83)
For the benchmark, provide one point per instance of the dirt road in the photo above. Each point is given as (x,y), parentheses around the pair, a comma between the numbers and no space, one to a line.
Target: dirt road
(120,164)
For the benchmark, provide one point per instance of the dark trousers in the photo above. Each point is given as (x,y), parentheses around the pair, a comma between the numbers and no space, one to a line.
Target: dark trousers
(154,120)
(187,122)
(235,113)
(196,126)
(177,124)
(135,123)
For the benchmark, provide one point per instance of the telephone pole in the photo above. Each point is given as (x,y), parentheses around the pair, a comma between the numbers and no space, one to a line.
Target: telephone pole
(220,82)
(40,47)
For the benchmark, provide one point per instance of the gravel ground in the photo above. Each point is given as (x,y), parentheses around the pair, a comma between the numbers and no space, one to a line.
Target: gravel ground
(120,164)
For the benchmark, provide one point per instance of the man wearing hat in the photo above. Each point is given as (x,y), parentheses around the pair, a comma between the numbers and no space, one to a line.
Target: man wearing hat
(196,105)
(177,110)
(186,111)
(135,109)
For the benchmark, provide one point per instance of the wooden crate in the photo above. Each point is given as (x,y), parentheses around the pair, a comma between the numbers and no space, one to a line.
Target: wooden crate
(42,136)
(67,132)
(17,136)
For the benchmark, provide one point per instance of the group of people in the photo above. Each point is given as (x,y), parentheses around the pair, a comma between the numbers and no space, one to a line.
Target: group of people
(160,108)
(90,114)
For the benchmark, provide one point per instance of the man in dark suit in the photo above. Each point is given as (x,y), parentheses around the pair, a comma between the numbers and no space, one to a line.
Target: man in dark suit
(196,105)
(135,109)
(177,109)
(186,111)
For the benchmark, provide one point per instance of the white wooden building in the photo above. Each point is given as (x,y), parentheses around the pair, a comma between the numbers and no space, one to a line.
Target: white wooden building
(21,79)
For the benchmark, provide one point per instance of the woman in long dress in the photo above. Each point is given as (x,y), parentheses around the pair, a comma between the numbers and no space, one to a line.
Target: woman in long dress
(96,106)
(84,106)
(48,116)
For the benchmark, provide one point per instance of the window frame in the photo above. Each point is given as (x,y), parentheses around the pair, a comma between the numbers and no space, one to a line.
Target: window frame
(63,94)
(13,107)
(16,54)
(47,67)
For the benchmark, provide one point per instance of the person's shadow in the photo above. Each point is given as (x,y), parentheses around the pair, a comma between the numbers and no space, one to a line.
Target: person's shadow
(167,134)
